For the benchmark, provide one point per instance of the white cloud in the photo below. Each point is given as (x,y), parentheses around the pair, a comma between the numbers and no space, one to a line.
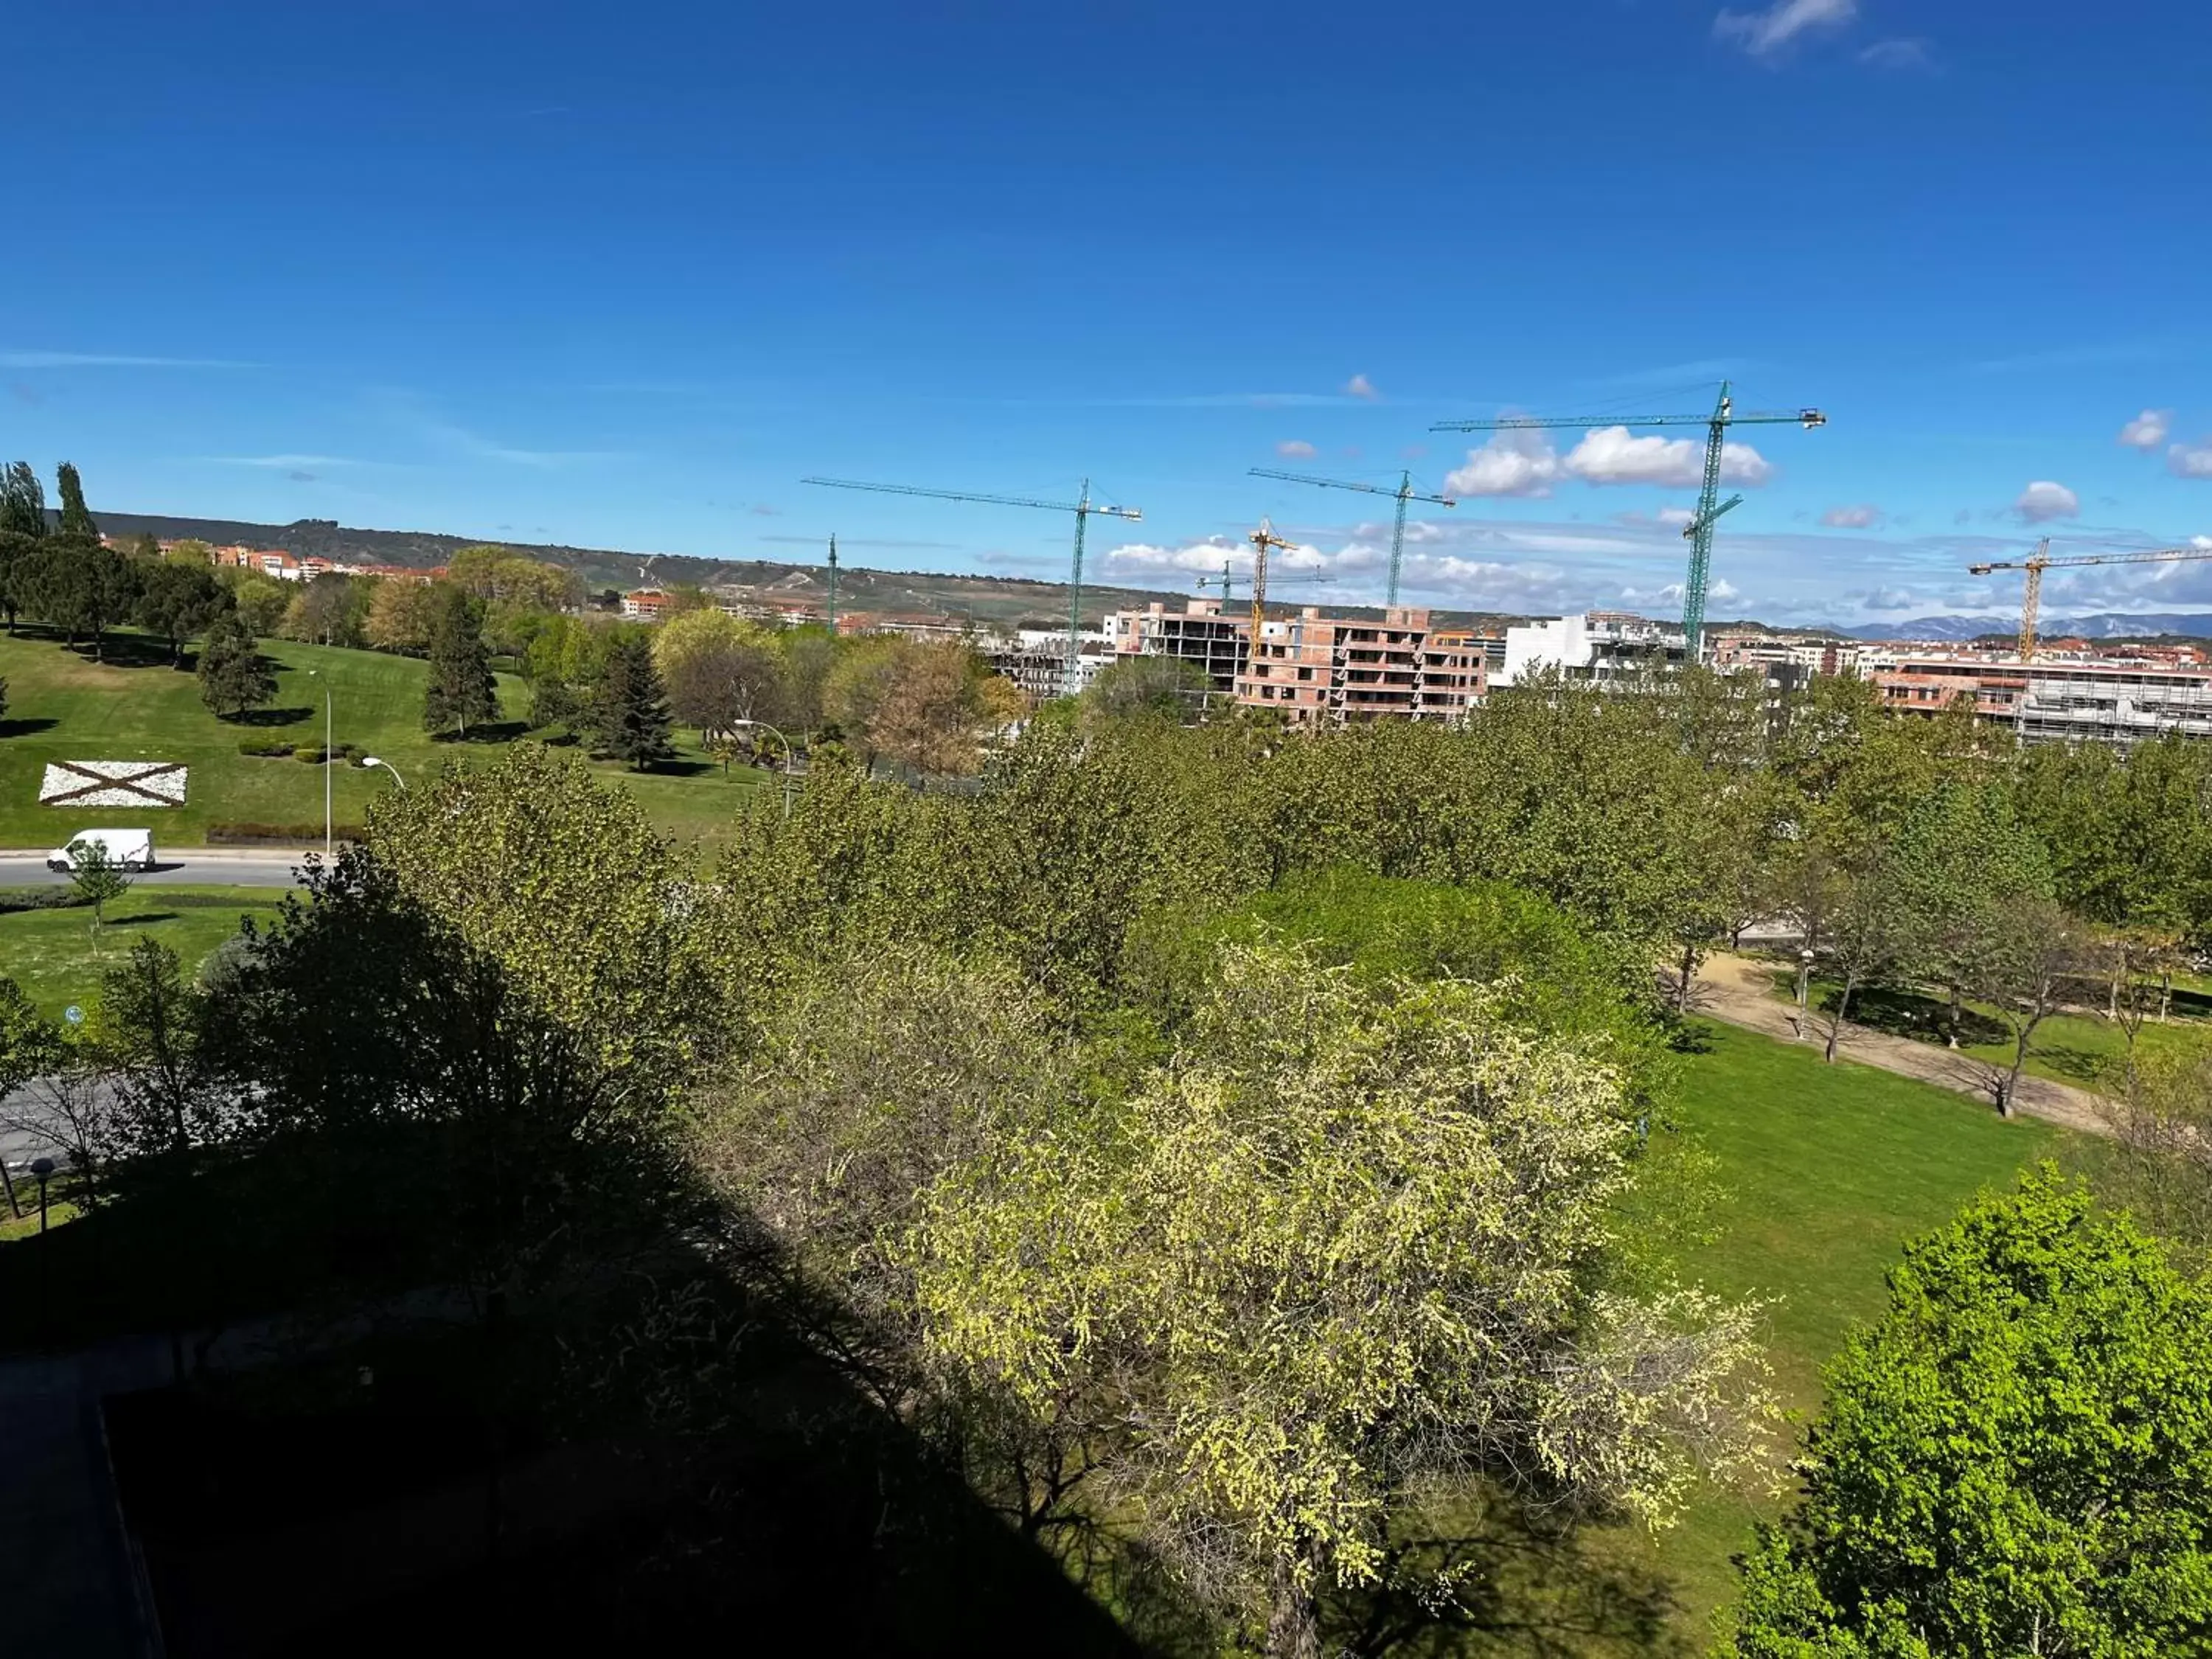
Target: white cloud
(1513,462)
(1724,590)
(1890,598)
(1898,54)
(1295,449)
(1360,386)
(1674,517)
(1864,516)
(2201,540)
(2187,461)
(2043,501)
(1611,455)
(2148,429)
(283,463)
(1144,558)
(1759,32)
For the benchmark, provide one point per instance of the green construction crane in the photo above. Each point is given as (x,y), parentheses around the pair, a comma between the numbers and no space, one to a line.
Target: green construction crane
(1405,492)
(1700,530)
(1080,506)
(1227,580)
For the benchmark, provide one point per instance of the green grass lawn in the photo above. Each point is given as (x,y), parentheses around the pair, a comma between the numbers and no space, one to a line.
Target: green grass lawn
(57,958)
(2084,1050)
(1827,1170)
(62,706)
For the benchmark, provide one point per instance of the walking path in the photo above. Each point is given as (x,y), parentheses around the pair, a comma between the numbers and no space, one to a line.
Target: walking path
(1737,989)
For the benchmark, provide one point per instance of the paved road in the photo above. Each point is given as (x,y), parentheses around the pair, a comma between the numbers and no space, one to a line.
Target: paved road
(202,866)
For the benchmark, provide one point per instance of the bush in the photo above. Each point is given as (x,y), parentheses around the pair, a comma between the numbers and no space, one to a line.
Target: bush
(263,748)
(37,898)
(286,834)
(313,756)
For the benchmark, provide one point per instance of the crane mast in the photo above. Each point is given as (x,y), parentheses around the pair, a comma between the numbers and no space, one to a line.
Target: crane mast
(1699,532)
(1263,540)
(1404,493)
(1082,507)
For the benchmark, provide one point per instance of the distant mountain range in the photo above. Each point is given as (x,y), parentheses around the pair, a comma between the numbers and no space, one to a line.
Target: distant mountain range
(2105,625)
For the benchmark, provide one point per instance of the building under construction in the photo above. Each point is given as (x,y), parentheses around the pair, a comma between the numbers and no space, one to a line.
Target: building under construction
(2059,696)
(1316,669)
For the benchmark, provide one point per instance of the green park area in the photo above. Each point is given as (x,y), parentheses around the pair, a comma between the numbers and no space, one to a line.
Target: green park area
(1822,1172)
(62,707)
(58,954)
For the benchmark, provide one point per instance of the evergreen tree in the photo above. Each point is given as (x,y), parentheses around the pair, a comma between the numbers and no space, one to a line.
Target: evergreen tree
(22,500)
(460,688)
(233,675)
(76,517)
(633,708)
(178,600)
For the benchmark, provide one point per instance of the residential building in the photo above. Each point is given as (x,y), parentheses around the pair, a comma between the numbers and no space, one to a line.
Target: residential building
(1610,646)
(644,604)
(1036,659)
(1317,670)
(2069,698)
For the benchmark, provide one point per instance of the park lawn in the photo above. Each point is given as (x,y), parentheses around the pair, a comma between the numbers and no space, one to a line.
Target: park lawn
(57,958)
(62,706)
(2082,1049)
(1826,1171)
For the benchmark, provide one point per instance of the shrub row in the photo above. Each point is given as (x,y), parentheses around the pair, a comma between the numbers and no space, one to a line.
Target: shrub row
(265,834)
(36,898)
(312,754)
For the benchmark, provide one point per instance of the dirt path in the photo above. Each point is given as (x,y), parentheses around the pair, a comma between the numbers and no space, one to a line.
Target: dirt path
(1736,989)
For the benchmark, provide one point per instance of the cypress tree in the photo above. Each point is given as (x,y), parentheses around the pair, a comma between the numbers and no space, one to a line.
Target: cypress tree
(633,709)
(461,688)
(76,517)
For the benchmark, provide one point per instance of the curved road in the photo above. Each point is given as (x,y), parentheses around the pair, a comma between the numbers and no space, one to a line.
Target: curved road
(200,866)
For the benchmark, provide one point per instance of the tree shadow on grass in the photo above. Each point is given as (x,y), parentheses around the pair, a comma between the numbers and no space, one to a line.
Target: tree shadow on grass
(145,920)
(1914,1015)
(268,717)
(489,732)
(128,651)
(24,728)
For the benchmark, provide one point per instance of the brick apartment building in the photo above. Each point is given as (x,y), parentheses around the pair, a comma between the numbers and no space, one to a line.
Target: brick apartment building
(1317,670)
(2069,698)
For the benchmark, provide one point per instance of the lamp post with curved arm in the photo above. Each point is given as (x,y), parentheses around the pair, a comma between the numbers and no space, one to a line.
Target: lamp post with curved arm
(787,756)
(368,761)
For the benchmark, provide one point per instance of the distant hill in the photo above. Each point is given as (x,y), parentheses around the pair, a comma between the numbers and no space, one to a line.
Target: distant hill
(1004,599)
(2105,625)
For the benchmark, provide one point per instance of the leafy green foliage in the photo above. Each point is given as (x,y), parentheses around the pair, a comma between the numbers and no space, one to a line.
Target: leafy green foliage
(233,675)
(178,600)
(460,688)
(75,519)
(98,879)
(23,502)
(2015,1459)
(630,711)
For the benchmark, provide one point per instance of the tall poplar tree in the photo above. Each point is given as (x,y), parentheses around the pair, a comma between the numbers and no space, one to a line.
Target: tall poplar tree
(22,500)
(76,517)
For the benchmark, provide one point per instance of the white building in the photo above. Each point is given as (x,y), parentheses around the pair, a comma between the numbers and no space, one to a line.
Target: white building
(1600,645)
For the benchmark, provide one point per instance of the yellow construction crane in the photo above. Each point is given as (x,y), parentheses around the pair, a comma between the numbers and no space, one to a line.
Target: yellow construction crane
(2036,562)
(1262,539)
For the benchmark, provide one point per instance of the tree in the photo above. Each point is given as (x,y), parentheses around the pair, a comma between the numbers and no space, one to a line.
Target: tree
(1867,930)
(18,559)
(2158,1163)
(29,1046)
(2024,961)
(460,688)
(1149,688)
(23,502)
(630,714)
(233,675)
(809,655)
(147,1028)
(1310,1267)
(938,703)
(401,613)
(327,611)
(2015,1459)
(76,519)
(98,879)
(189,551)
(178,600)
(81,587)
(720,671)
(262,601)
(1962,859)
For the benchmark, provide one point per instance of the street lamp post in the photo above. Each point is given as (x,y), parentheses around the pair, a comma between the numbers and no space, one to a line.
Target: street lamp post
(368,761)
(1804,988)
(789,757)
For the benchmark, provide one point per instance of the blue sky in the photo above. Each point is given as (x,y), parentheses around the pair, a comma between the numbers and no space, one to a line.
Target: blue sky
(620,276)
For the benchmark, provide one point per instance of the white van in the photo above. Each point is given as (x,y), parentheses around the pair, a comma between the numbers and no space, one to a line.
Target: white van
(130,849)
